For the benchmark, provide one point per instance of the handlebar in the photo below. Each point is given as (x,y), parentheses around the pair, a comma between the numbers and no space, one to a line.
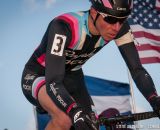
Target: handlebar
(122,118)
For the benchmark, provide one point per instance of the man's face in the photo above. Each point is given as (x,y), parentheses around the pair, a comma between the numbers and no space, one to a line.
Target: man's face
(108,27)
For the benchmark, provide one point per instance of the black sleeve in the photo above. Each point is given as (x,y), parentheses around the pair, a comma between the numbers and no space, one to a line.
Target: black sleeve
(59,36)
(140,76)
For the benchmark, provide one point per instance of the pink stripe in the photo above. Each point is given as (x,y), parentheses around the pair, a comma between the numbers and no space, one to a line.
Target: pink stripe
(150,60)
(139,34)
(70,107)
(158,4)
(151,96)
(39,85)
(41,59)
(107,4)
(158,8)
(144,47)
(72,29)
(74,26)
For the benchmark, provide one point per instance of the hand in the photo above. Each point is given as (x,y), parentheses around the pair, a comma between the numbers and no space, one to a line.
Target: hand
(82,121)
(155,103)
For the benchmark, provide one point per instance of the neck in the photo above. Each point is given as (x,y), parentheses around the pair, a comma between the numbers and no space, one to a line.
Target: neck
(93,30)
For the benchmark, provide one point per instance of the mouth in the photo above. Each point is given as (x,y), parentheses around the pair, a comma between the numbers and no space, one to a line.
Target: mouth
(111,36)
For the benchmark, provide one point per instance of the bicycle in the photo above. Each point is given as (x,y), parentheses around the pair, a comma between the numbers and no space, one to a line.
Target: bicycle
(115,121)
(118,119)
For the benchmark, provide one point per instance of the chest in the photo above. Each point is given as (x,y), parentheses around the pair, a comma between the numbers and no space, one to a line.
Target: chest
(84,50)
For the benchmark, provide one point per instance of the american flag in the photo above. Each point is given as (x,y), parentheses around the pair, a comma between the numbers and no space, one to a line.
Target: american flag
(145,24)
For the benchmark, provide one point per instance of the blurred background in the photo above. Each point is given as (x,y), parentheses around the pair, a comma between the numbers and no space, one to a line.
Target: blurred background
(22,25)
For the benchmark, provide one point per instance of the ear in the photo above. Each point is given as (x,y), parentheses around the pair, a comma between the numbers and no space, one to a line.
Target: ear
(93,13)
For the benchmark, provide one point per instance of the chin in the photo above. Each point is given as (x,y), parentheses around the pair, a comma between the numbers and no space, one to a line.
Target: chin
(108,38)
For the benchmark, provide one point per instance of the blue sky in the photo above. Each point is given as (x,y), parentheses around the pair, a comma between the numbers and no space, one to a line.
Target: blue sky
(22,25)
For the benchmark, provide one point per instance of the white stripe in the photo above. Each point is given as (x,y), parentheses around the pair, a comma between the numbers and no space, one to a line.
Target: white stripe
(83,37)
(122,103)
(34,85)
(98,43)
(137,27)
(148,53)
(80,13)
(144,40)
(126,38)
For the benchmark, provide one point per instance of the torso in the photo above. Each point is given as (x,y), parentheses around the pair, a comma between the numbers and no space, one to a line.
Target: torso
(82,45)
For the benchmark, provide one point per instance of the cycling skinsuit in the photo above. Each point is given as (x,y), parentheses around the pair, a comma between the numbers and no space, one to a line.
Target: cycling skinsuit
(57,62)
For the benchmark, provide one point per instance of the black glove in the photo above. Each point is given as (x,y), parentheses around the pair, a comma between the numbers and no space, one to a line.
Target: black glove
(81,120)
(155,103)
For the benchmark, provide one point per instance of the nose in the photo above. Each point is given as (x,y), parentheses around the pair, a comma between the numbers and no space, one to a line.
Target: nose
(116,26)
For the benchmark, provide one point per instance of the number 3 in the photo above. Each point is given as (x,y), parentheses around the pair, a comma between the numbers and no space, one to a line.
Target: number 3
(58,44)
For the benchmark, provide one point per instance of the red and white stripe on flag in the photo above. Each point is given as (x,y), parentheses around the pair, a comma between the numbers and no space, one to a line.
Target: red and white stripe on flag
(158,4)
(148,43)
(145,25)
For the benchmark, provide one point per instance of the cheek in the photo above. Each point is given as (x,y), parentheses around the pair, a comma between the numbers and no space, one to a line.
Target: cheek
(106,31)
(103,29)
(103,26)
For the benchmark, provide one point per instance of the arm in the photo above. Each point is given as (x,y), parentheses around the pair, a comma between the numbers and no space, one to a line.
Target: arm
(140,76)
(129,53)
(58,38)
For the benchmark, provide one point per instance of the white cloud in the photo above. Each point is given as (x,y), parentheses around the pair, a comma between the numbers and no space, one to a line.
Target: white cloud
(39,4)
(49,3)
(32,4)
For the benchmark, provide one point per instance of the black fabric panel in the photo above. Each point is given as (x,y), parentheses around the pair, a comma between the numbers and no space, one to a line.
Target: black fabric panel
(140,76)
(124,29)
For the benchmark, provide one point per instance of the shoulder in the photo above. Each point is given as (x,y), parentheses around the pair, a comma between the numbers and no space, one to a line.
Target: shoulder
(124,35)
(72,19)
(58,24)
(76,22)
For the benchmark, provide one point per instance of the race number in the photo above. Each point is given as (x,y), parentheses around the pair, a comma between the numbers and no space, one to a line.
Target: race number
(58,44)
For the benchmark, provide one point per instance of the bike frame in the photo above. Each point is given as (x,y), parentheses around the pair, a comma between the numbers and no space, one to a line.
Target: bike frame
(125,118)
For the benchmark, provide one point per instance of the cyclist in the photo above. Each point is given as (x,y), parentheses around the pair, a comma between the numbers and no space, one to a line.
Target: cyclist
(53,79)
